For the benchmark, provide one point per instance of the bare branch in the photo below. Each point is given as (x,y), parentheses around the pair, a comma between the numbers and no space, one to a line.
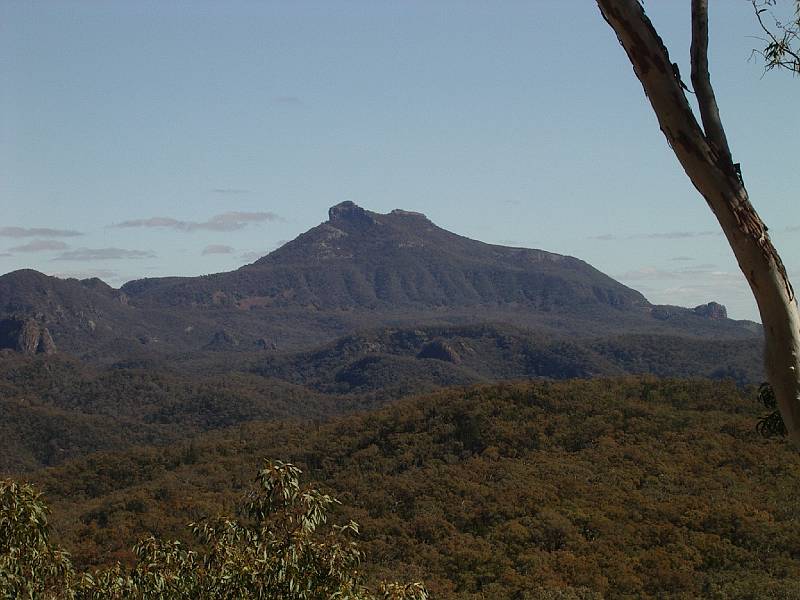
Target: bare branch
(701,81)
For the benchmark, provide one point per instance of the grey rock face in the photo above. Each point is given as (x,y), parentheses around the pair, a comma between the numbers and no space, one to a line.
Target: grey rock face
(26,336)
(712,310)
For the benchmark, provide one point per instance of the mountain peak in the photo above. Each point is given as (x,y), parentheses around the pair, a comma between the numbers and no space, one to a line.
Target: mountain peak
(399,212)
(350,212)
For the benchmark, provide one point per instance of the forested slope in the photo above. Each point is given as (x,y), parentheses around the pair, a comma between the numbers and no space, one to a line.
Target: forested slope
(630,488)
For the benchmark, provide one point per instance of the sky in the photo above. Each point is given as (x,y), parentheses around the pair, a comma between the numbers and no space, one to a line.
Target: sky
(147,139)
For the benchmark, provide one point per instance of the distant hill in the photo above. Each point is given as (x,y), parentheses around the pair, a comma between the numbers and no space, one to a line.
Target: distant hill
(358,270)
(397,362)
(56,408)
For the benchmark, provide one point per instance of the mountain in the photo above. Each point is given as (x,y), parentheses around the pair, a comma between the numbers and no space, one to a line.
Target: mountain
(358,270)
(363,260)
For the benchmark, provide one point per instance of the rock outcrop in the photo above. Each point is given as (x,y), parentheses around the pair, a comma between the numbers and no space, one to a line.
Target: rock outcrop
(439,350)
(712,310)
(26,336)
(350,211)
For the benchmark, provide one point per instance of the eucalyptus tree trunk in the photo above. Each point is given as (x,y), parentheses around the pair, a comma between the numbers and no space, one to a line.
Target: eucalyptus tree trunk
(705,157)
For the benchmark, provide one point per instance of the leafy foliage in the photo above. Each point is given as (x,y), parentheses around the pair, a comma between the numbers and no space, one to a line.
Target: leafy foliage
(772,423)
(780,35)
(281,550)
(29,566)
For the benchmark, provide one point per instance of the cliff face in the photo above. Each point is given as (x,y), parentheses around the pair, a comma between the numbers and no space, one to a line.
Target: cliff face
(712,310)
(26,336)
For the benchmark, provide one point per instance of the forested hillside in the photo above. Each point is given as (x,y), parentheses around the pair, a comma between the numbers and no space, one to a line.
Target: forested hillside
(56,408)
(622,488)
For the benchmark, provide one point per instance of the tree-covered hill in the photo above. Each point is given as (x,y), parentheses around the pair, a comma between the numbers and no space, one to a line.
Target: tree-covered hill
(397,361)
(625,488)
(56,408)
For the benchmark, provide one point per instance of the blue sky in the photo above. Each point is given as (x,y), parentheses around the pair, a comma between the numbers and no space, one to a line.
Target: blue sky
(182,138)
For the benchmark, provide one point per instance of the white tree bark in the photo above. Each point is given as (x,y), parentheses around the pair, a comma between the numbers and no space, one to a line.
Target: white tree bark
(705,157)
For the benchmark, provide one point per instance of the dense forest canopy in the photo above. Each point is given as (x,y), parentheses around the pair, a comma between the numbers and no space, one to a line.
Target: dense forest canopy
(617,487)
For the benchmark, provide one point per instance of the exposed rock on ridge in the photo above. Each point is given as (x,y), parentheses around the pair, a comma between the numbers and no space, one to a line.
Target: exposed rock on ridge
(26,336)
(712,310)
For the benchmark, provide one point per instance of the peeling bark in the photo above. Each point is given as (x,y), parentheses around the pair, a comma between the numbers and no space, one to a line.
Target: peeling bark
(705,157)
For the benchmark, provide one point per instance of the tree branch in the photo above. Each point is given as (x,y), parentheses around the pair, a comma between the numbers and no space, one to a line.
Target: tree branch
(776,50)
(701,81)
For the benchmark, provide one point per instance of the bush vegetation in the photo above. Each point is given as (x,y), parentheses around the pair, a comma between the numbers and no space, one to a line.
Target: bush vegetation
(282,549)
(621,488)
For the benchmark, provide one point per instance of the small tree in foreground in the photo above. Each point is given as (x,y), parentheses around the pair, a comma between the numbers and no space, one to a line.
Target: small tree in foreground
(29,566)
(282,549)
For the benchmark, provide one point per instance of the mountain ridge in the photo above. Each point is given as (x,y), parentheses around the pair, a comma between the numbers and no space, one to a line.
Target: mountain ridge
(359,259)
(357,270)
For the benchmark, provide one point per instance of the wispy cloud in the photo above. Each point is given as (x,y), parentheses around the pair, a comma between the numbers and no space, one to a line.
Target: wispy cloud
(647,273)
(675,235)
(21,232)
(792,228)
(81,254)
(705,271)
(40,246)
(217,249)
(723,289)
(692,286)
(6,254)
(256,254)
(229,221)
(294,101)
(154,222)
(253,255)
(231,191)
(669,235)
